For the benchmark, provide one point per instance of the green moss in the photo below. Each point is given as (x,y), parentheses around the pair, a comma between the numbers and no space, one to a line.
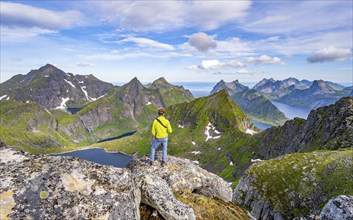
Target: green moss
(212,208)
(293,180)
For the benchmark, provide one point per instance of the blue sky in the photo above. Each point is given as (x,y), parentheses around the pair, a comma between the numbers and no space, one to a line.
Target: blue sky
(183,41)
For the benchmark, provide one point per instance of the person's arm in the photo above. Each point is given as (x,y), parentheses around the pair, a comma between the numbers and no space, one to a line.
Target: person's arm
(169,128)
(154,128)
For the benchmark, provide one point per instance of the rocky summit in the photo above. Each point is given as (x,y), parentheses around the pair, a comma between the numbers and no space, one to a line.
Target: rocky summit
(54,187)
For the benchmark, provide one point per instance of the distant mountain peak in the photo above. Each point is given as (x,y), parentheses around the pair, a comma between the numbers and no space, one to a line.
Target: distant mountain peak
(321,87)
(160,80)
(230,87)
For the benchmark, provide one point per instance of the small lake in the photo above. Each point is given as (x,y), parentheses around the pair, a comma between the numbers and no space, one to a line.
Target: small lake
(261,125)
(292,111)
(100,156)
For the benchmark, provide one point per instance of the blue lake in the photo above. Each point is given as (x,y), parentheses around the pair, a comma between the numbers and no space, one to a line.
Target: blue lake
(292,111)
(100,156)
(261,125)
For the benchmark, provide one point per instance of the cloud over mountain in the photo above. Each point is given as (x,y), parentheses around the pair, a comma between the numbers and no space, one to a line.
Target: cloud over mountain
(20,15)
(215,64)
(265,59)
(145,42)
(202,42)
(171,15)
(85,64)
(330,54)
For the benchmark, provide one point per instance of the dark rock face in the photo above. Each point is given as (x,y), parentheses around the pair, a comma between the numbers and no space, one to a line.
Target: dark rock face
(328,127)
(338,208)
(51,88)
(55,187)
(245,194)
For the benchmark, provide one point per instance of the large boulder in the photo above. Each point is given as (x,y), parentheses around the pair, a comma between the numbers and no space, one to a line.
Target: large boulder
(183,175)
(53,187)
(338,208)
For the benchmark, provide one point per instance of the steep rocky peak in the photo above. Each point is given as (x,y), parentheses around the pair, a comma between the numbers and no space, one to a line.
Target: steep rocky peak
(49,69)
(236,86)
(134,84)
(319,86)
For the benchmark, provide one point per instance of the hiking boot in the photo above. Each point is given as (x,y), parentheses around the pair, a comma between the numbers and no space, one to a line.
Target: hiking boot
(164,164)
(150,163)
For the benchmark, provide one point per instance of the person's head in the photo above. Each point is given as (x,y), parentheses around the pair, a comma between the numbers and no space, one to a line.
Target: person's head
(161,111)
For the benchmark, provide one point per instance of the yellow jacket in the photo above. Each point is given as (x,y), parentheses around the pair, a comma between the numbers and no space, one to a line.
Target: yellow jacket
(158,130)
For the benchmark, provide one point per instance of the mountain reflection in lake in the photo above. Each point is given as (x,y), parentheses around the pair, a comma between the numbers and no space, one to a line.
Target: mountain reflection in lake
(100,156)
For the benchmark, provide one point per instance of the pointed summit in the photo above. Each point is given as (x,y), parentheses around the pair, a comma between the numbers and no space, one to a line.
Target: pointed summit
(231,87)
(134,86)
(161,83)
(320,87)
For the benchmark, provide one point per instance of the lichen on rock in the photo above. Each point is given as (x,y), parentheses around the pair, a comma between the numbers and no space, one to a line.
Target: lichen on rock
(57,187)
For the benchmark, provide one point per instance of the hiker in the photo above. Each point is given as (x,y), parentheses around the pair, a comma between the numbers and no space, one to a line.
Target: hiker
(160,129)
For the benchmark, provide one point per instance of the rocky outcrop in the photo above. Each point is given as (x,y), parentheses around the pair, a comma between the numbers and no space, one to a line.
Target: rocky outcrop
(54,187)
(183,175)
(297,185)
(245,194)
(338,208)
(329,127)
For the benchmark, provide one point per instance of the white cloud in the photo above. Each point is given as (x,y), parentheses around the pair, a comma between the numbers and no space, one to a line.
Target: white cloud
(298,17)
(330,54)
(145,42)
(13,34)
(265,59)
(202,42)
(21,15)
(171,15)
(85,64)
(210,15)
(215,64)
(304,44)
(244,71)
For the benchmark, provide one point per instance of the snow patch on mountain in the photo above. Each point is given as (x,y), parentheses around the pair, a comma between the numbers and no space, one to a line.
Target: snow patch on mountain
(210,128)
(195,152)
(2,97)
(250,131)
(63,103)
(70,83)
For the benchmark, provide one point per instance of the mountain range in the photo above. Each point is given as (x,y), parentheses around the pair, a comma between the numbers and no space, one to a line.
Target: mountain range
(302,93)
(36,112)
(214,132)
(255,105)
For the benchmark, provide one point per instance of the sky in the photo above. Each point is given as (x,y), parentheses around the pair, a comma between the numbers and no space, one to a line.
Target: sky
(183,41)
